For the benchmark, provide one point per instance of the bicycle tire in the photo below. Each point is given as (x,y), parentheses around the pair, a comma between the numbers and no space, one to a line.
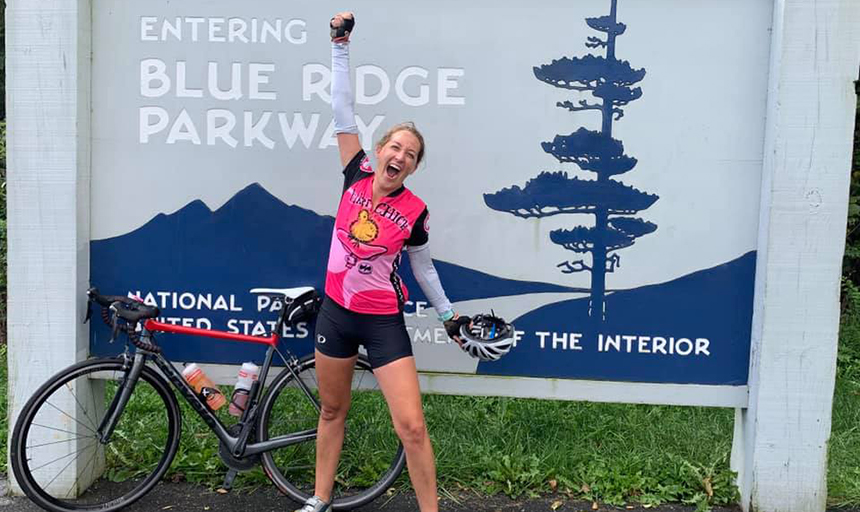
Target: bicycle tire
(372,457)
(152,402)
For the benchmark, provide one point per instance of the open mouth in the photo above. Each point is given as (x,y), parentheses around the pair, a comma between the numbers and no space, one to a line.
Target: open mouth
(392,170)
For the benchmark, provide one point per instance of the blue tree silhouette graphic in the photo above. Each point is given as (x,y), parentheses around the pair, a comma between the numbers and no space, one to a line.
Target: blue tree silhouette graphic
(610,81)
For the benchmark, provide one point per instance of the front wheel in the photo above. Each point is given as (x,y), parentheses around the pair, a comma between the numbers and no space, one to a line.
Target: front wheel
(372,455)
(57,455)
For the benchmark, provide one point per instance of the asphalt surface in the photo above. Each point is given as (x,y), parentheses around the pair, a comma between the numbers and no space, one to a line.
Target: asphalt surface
(184,497)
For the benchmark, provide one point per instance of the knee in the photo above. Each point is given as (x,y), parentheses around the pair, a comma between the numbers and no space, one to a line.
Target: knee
(412,432)
(333,412)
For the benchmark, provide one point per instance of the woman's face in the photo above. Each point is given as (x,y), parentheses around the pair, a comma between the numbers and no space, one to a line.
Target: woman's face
(397,159)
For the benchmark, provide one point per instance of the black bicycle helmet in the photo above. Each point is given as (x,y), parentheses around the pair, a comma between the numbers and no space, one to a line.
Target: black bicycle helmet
(487,337)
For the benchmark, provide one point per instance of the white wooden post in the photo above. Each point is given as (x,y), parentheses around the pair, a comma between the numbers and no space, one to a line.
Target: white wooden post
(48,91)
(780,445)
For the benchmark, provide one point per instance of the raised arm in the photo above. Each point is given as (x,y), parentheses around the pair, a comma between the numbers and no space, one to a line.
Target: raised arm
(342,99)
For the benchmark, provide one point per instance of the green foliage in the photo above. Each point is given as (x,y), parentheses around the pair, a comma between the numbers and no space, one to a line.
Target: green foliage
(512,473)
(843,471)
(849,338)
(197,459)
(843,475)
(848,357)
(610,453)
(851,263)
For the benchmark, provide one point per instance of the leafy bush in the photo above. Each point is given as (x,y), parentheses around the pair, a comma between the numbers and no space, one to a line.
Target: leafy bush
(849,342)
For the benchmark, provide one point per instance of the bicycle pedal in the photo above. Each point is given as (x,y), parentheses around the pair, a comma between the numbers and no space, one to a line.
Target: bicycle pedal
(228,481)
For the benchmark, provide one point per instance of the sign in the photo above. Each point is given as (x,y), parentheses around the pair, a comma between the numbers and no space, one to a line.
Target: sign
(595,182)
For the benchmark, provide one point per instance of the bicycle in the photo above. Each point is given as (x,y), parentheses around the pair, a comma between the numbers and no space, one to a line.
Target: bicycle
(120,446)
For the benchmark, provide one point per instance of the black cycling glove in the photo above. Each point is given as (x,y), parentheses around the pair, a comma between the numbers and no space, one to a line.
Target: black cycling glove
(453,326)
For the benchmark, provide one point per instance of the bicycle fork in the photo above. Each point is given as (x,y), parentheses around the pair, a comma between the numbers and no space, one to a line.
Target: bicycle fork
(117,405)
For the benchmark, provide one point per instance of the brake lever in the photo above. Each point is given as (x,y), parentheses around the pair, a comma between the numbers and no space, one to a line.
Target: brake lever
(89,311)
(114,323)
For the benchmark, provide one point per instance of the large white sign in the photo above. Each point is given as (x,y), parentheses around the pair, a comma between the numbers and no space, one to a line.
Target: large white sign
(596,181)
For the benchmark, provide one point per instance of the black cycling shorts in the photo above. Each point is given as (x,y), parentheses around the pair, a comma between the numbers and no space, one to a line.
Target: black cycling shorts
(341,331)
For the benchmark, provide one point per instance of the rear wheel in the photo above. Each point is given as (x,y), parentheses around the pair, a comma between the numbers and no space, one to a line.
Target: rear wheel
(56,454)
(372,456)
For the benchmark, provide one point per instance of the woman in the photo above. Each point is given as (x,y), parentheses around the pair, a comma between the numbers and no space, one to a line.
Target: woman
(377,218)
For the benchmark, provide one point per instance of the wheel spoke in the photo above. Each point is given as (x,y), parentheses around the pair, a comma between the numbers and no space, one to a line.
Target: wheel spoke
(93,467)
(63,470)
(58,459)
(57,429)
(313,376)
(360,379)
(92,459)
(370,459)
(145,441)
(83,409)
(64,413)
(60,442)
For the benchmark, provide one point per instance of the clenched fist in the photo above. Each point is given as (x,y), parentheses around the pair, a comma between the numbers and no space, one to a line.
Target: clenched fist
(342,26)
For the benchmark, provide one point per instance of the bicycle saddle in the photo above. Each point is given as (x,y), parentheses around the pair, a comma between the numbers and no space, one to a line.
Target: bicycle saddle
(286,293)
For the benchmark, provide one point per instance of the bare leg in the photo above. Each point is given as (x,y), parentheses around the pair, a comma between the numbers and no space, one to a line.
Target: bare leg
(334,376)
(399,383)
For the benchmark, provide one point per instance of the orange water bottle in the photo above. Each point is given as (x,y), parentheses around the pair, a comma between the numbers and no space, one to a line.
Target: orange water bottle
(204,386)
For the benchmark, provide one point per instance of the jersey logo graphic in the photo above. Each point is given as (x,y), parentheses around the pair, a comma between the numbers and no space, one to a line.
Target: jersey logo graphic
(365,165)
(356,242)
(364,229)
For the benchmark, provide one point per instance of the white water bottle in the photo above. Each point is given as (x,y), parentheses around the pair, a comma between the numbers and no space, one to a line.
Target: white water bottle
(247,375)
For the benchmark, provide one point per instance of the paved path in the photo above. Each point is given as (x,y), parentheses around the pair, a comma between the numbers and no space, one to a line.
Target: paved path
(192,498)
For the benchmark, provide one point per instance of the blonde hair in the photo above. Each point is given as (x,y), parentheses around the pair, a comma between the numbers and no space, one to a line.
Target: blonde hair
(408,126)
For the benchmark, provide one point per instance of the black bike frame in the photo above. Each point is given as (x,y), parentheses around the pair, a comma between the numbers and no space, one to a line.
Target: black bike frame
(238,445)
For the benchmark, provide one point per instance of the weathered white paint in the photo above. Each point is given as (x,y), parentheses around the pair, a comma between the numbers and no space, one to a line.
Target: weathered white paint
(553,389)
(780,446)
(47,87)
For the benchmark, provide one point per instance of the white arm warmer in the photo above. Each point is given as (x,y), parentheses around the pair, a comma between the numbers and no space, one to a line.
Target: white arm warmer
(428,279)
(342,101)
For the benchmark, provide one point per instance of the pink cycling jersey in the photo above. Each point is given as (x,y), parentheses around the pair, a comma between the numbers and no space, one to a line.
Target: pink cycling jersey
(366,243)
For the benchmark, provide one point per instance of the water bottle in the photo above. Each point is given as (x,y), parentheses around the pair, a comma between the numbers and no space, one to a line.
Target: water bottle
(203,385)
(247,375)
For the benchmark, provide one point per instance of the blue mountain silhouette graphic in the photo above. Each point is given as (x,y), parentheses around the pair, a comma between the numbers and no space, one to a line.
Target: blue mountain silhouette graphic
(256,240)
(253,240)
(713,304)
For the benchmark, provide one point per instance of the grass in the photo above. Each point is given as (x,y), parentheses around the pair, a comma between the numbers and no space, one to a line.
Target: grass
(843,475)
(610,453)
